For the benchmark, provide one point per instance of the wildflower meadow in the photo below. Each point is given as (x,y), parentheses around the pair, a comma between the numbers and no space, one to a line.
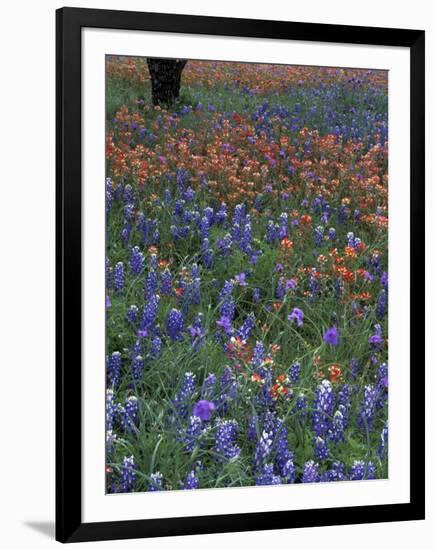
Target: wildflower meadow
(246,277)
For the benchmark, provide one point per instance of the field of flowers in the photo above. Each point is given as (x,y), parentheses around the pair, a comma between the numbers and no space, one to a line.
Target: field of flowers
(246,276)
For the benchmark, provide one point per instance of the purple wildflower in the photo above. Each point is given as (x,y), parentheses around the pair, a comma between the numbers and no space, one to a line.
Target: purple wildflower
(296,315)
(204,409)
(175,325)
(332,336)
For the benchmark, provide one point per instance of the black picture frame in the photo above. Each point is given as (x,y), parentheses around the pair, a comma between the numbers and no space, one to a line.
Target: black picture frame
(69,525)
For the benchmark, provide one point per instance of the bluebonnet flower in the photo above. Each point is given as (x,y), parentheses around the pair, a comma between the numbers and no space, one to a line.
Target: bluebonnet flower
(191,481)
(127,474)
(384,280)
(111,409)
(136,261)
(114,368)
(129,414)
(193,432)
(256,295)
(132,314)
(189,194)
(310,472)
(184,397)
(241,279)
(224,246)
(263,448)
(166,282)
(259,353)
(207,255)
(204,409)
(149,313)
(294,372)
(208,385)
(156,482)
(118,277)
(368,408)
(151,284)
(332,234)
(300,407)
(336,431)
(323,408)
(382,304)
(357,215)
(376,340)
(266,476)
(175,325)
(297,315)
(321,450)
(318,235)
(155,347)
(361,470)
(332,336)
(289,473)
(335,473)
(137,368)
(225,439)
(247,327)
(252,427)
(221,214)
(281,446)
(225,323)
(342,214)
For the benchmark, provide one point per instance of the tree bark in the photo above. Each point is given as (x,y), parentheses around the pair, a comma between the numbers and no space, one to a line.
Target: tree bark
(165,79)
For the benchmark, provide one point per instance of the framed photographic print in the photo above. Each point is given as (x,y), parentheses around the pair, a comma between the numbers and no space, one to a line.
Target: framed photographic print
(240,253)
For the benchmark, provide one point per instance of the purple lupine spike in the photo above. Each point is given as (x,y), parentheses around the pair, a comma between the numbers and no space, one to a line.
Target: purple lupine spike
(300,407)
(294,372)
(193,432)
(310,472)
(362,470)
(149,313)
(137,368)
(367,412)
(323,408)
(118,278)
(166,283)
(127,474)
(247,327)
(111,410)
(155,347)
(382,304)
(321,450)
(132,314)
(318,235)
(266,476)
(156,482)
(114,368)
(225,440)
(129,414)
(175,325)
(136,261)
(151,284)
(191,481)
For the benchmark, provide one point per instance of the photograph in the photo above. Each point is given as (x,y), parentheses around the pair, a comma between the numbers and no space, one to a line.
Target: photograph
(246,274)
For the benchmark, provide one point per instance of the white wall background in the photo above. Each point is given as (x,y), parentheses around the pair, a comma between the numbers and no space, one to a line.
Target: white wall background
(27,219)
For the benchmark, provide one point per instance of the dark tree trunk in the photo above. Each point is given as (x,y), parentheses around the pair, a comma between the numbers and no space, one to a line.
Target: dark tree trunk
(165,79)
